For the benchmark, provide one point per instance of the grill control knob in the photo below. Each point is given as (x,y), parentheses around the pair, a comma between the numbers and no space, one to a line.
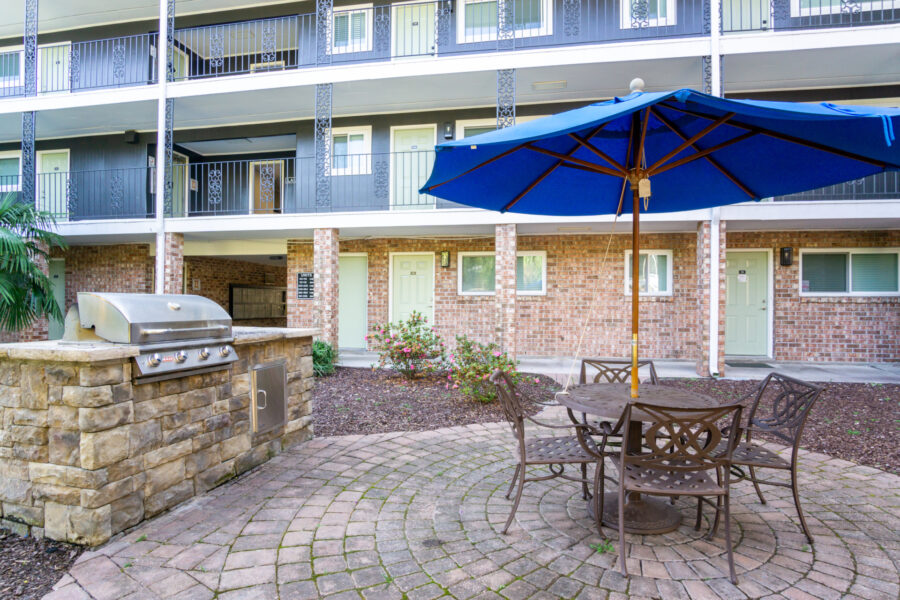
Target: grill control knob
(204,353)
(224,351)
(153,360)
(180,356)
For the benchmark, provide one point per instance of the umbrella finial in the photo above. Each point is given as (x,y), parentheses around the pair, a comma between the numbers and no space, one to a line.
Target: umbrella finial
(636,85)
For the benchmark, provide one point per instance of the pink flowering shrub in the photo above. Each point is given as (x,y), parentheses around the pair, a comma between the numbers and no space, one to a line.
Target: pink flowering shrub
(471,366)
(409,347)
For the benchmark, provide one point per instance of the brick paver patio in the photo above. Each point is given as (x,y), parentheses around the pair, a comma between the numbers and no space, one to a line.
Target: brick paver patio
(417,516)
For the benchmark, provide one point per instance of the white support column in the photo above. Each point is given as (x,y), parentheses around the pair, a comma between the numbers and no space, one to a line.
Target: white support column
(715,35)
(161,79)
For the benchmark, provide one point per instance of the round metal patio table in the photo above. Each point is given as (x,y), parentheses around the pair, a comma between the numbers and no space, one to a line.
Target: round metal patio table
(643,514)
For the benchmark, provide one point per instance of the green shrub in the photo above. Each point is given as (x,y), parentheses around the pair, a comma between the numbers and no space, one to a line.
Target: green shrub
(323,355)
(471,367)
(409,347)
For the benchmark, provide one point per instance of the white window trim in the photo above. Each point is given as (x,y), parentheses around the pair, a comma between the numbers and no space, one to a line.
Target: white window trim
(13,154)
(546,27)
(670,19)
(367,42)
(461,124)
(543,255)
(848,251)
(361,166)
(670,268)
(459,272)
(20,81)
(865,6)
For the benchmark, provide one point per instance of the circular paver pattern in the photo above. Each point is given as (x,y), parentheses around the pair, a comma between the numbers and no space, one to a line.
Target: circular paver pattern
(419,515)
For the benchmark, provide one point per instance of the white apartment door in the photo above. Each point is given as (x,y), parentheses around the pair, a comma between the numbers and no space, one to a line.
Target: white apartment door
(52,182)
(412,286)
(352,301)
(411,162)
(414,26)
(57,269)
(746,312)
(53,68)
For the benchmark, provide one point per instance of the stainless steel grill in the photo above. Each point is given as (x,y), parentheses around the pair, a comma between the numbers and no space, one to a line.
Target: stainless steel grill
(178,335)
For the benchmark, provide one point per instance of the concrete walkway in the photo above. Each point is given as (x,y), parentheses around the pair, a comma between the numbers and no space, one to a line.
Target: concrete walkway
(418,516)
(737,368)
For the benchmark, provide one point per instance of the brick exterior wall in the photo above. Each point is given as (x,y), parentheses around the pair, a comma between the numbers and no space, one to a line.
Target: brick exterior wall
(704,273)
(834,329)
(505,291)
(216,274)
(300,313)
(39,329)
(325,262)
(174,263)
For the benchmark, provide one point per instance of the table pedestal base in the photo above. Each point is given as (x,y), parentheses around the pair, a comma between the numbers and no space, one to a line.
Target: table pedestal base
(647,515)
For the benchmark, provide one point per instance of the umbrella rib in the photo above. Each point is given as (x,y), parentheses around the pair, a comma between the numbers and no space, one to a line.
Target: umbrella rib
(665,121)
(478,166)
(570,159)
(703,153)
(598,152)
(786,138)
(689,142)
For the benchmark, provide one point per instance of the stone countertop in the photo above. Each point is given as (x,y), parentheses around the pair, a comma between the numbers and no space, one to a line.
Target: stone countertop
(63,351)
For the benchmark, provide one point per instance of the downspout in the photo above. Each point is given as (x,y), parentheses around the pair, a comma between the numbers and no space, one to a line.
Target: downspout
(161,79)
(714,221)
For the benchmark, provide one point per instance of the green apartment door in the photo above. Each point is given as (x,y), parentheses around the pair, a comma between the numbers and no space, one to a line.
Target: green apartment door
(746,312)
(57,268)
(412,286)
(414,29)
(352,291)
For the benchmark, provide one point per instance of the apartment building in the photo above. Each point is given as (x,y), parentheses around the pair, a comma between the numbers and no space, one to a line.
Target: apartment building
(268,155)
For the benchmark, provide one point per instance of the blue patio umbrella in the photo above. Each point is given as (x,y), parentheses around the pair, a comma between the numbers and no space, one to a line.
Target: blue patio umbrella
(678,150)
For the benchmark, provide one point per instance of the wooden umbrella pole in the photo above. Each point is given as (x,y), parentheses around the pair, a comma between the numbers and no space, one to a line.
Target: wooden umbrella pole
(635,286)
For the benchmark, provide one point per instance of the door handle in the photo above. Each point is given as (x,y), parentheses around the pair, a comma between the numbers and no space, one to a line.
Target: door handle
(265,398)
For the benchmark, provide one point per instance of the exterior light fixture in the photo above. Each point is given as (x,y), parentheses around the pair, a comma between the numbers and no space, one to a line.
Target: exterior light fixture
(445,258)
(787,257)
(448,130)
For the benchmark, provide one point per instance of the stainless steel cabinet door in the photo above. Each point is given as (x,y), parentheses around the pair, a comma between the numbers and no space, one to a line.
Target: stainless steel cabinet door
(269,406)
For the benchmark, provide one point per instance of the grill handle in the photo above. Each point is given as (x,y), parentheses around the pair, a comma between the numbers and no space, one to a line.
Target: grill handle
(184,330)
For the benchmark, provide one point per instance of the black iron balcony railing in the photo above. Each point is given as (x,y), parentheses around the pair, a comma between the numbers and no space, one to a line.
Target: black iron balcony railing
(762,15)
(883,186)
(102,194)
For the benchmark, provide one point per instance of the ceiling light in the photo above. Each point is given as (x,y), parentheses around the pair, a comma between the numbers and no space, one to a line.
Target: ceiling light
(549,85)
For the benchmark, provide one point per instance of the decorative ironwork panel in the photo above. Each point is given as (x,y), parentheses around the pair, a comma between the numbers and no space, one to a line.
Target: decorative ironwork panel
(850,7)
(707,16)
(572,18)
(506,98)
(323,144)
(722,75)
(28,164)
(506,24)
(31,50)
(71,196)
(324,18)
(170,41)
(118,59)
(217,49)
(267,184)
(442,23)
(169,184)
(382,172)
(269,53)
(383,29)
(781,13)
(640,14)
(214,186)
(706,73)
(116,191)
(74,67)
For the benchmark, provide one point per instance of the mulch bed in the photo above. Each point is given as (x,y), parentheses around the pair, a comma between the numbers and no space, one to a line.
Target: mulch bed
(29,568)
(853,421)
(359,401)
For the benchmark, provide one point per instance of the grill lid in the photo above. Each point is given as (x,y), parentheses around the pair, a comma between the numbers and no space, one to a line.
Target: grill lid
(152,318)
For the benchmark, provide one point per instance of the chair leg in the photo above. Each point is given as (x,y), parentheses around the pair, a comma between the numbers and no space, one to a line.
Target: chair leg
(598,494)
(699,514)
(584,485)
(512,483)
(515,506)
(756,485)
(622,566)
(797,504)
(728,538)
(716,519)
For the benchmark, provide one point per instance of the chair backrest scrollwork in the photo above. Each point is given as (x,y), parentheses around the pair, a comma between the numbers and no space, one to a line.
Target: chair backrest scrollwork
(613,370)
(782,406)
(510,403)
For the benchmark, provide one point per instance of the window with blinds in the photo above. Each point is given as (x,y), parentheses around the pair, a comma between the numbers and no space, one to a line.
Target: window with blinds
(478,270)
(860,271)
(10,171)
(655,269)
(351,29)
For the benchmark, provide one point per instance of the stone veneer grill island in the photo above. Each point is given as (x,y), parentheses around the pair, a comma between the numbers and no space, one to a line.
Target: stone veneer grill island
(86,453)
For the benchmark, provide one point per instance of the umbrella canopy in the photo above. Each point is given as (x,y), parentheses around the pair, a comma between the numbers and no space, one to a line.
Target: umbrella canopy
(681,149)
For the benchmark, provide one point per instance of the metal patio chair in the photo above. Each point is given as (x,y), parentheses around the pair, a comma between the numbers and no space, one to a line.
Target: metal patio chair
(681,458)
(554,452)
(780,409)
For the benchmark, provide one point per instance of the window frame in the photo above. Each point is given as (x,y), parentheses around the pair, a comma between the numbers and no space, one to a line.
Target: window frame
(670,269)
(461,124)
(364,166)
(546,27)
(368,9)
(668,21)
(14,154)
(10,81)
(849,252)
(459,272)
(798,12)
